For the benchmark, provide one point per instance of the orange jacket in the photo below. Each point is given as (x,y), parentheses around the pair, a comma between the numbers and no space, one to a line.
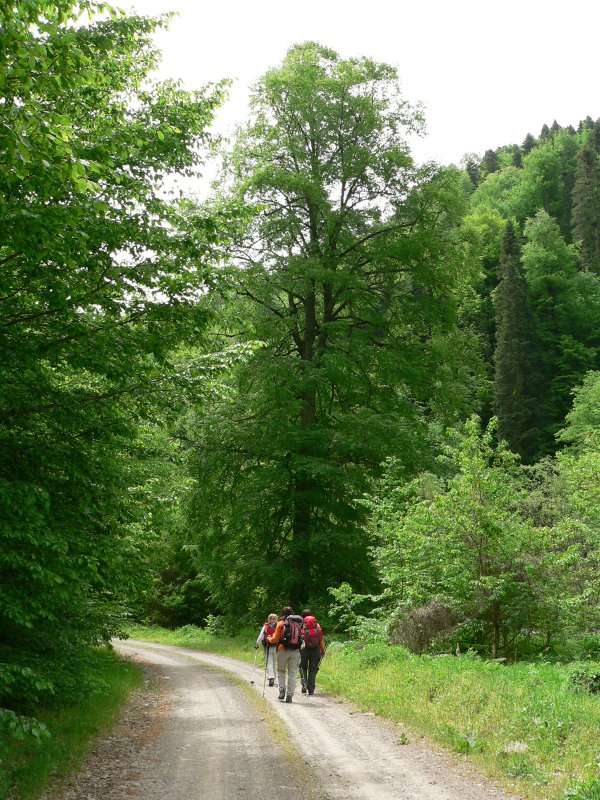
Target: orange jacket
(276,638)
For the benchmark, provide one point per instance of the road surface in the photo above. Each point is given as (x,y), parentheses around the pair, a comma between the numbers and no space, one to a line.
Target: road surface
(208,736)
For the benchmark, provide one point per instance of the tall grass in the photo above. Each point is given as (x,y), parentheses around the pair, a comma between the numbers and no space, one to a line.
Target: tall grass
(29,767)
(522,724)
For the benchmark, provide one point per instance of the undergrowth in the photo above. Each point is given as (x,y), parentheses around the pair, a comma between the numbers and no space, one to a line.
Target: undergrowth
(28,764)
(525,724)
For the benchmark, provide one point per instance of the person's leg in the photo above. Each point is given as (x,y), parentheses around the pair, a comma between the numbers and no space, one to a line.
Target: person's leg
(313,663)
(281,665)
(304,667)
(292,668)
(272,665)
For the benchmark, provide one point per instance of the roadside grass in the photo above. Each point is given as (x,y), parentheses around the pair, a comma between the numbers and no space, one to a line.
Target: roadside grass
(240,646)
(522,724)
(30,768)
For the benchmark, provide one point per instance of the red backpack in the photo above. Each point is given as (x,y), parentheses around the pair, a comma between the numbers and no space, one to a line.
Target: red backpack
(292,630)
(269,630)
(311,633)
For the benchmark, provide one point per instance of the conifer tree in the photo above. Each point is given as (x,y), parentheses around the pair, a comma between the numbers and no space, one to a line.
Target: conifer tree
(545,132)
(490,162)
(528,144)
(517,158)
(556,128)
(565,317)
(595,135)
(514,381)
(586,206)
(472,168)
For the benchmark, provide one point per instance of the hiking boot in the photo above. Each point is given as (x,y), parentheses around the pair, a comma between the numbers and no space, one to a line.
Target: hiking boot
(288,699)
(304,690)
(282,694)
(271,681)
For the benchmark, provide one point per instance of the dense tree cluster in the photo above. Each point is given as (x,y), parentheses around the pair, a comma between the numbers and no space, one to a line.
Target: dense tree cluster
(97,286)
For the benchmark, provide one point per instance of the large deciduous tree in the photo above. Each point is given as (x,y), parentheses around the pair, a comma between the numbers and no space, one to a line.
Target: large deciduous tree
(347,279)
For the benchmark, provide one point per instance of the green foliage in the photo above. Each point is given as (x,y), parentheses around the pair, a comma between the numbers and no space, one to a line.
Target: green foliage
(465,542)
(353,295)
(98,283)
(550,341)
(515,376)
(585,790)
(586,206)
(564,303)
(583,420)
(585,677)
(36,753)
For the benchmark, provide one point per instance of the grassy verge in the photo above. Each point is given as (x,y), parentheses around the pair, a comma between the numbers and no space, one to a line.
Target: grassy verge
(521,724)
(240,647)
(30,768)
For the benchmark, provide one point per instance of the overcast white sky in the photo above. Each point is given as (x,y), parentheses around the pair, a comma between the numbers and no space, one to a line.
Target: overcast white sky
(487,72)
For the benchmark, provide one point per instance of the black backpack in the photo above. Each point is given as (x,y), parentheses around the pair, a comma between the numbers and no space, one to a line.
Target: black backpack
(292,629)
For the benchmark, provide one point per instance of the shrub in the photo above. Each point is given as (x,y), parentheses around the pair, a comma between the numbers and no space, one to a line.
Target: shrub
(585,678)
(417,628)
(589,790)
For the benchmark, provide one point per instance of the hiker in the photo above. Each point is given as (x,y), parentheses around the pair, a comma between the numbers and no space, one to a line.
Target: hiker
(313,649)
(288,641)
(268,629)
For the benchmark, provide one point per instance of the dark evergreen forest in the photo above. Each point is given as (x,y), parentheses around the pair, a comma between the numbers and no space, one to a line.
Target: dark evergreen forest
(346,379)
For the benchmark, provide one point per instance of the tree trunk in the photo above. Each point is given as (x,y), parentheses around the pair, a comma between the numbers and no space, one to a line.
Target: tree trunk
(303,483)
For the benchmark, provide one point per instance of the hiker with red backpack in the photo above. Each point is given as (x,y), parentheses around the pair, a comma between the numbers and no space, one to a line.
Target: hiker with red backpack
(268,629)
(313,650)
(287,639)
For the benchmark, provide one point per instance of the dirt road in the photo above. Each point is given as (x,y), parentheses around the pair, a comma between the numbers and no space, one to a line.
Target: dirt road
(215,741)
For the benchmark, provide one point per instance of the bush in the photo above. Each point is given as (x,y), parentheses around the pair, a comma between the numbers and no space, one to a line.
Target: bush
(590,648)
(590,790)
(416,629)
(214,625)
(585,678)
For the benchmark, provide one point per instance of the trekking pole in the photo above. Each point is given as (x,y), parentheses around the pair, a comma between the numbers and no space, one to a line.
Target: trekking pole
(322,657)
(255,654)
(268,647)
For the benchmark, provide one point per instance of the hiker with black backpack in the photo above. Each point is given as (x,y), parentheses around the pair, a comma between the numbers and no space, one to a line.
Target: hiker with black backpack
(287,640)
(313,649)
(268,629)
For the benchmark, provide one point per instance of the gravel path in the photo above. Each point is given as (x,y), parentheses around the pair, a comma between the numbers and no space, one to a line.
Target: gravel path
(211,740)
(192,734)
